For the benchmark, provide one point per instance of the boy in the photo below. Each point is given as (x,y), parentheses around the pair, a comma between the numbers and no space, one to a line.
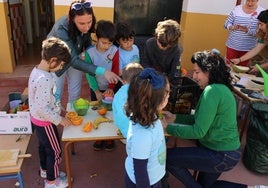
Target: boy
(163,51)
(128,51)
(45,109)
(103,54)
(120,97)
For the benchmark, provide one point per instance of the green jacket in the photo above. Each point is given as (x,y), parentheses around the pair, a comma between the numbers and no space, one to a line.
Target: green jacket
(214,124)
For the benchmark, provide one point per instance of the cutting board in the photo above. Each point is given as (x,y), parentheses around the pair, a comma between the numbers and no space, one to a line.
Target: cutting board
(10,157)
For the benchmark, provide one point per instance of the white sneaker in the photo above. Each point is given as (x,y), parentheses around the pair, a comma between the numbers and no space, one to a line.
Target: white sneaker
(260,186)
(43,174)
(58,183)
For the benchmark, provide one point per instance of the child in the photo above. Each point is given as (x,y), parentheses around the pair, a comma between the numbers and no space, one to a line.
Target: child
(163,51)
(45,110)
(103,54)
(128,51)
(120,97)
(146,148)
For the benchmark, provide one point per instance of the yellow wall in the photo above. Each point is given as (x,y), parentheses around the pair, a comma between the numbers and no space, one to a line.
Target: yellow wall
(100,12)
(201,32)
(6,53)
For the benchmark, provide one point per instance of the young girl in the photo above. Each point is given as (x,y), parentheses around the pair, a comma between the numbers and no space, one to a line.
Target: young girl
(45,110)
(146,148)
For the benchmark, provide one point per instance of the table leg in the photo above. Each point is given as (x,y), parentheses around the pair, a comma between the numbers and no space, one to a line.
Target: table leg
(67,163)
(243,123)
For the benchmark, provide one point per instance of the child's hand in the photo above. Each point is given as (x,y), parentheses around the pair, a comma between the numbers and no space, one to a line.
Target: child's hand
(98,95)
(65,122)
(108,93)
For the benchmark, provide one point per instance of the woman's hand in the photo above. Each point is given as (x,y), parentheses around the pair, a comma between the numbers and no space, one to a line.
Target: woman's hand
(235,61)
(111,77)
(253,70)
(167,118)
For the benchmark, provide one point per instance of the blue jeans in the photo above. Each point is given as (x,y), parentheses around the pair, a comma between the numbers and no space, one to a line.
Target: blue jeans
(74,81)
(209,163)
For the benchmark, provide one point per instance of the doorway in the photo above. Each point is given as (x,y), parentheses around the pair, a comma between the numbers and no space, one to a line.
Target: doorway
(30,20)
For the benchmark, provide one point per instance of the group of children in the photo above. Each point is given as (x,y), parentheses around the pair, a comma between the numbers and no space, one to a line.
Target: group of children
(137,102)
(145,85)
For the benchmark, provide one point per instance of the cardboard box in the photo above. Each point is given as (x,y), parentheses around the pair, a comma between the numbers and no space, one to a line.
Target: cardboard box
(17,123)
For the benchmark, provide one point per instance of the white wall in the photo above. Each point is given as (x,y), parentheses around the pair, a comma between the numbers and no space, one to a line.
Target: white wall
(95,3)
(222,7)
(263,3)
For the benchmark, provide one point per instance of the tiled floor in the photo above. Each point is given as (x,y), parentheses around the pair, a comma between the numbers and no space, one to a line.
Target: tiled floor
(108,166)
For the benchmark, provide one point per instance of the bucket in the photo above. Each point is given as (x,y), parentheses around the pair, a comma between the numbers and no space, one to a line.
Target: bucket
(265,79)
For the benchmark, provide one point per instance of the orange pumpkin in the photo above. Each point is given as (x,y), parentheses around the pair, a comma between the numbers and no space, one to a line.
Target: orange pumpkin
(183,72)
(87,127)
(102,111)
(71,115)
(76,120)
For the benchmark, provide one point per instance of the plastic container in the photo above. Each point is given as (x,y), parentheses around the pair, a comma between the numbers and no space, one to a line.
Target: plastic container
(184,94)
(81,106)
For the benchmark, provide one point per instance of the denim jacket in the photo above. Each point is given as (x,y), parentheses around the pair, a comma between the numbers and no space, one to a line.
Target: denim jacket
(60,30)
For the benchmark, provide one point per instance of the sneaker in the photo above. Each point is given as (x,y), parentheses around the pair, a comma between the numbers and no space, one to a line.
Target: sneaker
(43,174)
(260,186)
(98,145)
(109,145)
(58,183)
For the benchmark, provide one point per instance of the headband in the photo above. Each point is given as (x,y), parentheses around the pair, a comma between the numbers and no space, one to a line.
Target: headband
(157,80)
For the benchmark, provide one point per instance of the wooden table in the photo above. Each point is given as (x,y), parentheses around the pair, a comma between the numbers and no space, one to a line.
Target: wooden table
(72,134)
(243,122)
(13,142)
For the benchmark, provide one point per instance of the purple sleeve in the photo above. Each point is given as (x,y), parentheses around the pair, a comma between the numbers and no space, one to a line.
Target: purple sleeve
(141,174)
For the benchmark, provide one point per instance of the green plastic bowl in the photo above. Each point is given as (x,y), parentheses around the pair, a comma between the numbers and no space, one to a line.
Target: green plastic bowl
(81,110)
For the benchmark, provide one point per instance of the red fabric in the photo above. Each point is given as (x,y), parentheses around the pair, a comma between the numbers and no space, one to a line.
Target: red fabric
(232,54)
(115,68)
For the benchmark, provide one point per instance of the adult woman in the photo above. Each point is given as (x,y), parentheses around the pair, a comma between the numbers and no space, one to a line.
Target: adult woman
(213,125)
(262,42)
(75,29)
(242,24)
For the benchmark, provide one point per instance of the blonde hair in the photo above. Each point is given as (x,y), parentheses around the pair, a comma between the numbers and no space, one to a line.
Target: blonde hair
(130,71)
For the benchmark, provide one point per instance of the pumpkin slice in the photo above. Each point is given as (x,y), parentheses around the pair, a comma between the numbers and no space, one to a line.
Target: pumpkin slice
(87,127)
(77,120)
(71,115)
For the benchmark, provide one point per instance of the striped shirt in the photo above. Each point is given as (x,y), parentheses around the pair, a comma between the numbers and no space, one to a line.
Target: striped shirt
(239,40)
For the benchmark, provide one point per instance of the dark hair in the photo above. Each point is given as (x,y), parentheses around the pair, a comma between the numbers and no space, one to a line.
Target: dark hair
(124,31)
(54,47)
(143,101)
(214,64)
(106,29)
(263,17)
(73,31)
